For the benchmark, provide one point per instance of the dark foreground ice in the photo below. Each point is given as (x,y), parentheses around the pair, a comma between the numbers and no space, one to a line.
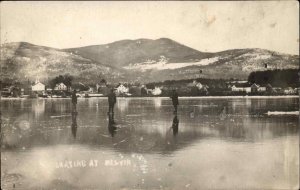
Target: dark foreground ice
(210,144)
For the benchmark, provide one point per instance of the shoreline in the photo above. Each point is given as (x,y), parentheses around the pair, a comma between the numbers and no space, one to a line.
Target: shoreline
(150,97)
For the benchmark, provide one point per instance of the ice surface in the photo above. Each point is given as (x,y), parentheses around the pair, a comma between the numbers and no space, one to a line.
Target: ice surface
(212,143)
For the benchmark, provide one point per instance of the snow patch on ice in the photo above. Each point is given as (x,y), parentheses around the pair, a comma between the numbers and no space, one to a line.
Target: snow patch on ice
(283,113)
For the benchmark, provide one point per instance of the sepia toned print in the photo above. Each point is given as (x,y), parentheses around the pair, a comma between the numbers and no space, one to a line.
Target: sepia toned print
(149,95)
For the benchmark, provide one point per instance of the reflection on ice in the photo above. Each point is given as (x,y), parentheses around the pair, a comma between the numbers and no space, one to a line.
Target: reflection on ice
(38,107)
(122,104)
(175,125)
(111,124)
(74,124)
(157,102)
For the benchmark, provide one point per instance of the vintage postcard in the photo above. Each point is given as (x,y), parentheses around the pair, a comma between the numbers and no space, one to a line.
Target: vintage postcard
(166,95)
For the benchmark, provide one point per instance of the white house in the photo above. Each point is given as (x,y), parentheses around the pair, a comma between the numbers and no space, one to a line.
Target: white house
(195,84)
(101,85)
(262,89)
(156,91)
(240,89)
(289,90)
(60,86)
(121,89)
(91,89)
(257,88)
(38,86)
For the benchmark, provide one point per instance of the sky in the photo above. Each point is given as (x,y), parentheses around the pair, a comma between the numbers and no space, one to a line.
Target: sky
(206,26)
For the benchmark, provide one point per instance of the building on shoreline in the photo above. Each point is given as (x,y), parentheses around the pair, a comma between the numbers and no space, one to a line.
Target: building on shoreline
(121,89)
(38,87)
(257,88)
(60,87)
(234,88)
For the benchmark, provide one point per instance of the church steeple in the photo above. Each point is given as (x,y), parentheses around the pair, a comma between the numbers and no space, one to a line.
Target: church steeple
(37,80)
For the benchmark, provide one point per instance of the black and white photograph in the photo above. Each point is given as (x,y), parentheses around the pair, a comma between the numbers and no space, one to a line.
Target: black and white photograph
(149,95)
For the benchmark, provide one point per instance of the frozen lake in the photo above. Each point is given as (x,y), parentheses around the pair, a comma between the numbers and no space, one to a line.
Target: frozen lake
(215,143)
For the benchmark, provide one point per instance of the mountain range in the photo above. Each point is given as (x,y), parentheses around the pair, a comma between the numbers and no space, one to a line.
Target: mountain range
(142,60)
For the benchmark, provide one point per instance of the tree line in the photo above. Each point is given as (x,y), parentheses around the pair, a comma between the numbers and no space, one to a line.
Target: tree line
(276,78)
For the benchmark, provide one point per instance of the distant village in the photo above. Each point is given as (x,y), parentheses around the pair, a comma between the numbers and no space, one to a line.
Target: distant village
(61,90)
(188,88)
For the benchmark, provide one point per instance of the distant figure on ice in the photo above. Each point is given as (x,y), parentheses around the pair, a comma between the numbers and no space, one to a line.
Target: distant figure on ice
(111,101)
(175,125)
(223,114)
(111,125)
(224,111)
(174,98)
(74,100)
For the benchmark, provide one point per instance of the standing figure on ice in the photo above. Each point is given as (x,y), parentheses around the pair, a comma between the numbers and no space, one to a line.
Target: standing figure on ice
(111,101)
(175,102)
